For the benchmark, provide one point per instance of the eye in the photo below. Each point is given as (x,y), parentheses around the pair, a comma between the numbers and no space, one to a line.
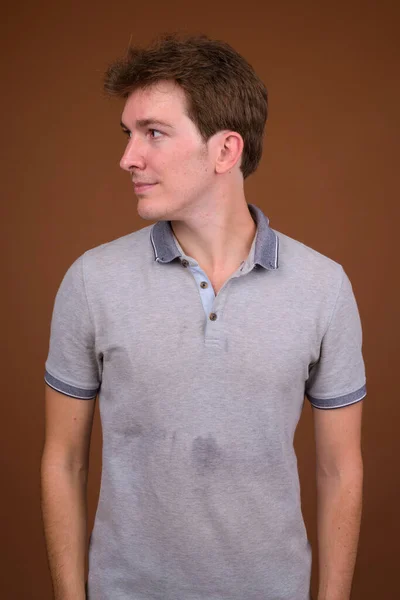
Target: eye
(126,132)
(154,131)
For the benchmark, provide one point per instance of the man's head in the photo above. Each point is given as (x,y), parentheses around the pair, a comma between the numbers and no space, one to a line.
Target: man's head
(214,109)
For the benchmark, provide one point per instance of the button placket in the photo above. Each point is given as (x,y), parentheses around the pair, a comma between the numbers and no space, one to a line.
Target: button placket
(211,335)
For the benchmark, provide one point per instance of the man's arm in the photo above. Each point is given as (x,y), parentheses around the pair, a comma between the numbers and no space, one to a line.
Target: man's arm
(64,473)
(339,497)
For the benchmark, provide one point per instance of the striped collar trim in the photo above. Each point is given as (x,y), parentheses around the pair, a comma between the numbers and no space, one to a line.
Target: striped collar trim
(266,252)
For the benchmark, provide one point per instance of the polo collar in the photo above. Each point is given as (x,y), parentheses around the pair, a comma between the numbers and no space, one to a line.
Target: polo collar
(266,241)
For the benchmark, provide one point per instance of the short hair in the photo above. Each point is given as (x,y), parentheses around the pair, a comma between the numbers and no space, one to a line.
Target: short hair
(221,88)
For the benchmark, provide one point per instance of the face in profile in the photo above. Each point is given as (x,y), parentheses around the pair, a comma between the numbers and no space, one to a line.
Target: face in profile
(170,165)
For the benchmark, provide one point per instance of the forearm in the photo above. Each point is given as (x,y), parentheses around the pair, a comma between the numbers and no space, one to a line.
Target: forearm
(339,517)
(64,510)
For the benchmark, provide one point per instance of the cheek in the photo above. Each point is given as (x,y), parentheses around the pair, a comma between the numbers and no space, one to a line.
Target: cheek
(196,164)
(191,153)
(184,166)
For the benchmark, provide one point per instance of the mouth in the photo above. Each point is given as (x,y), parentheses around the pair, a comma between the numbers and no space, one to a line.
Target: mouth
(142,187)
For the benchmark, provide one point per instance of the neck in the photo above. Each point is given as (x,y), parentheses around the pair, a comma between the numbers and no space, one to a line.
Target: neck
(219,239)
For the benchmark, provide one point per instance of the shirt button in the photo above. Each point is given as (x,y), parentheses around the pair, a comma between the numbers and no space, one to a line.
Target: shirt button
(185,263)
(213,317)
(204,284)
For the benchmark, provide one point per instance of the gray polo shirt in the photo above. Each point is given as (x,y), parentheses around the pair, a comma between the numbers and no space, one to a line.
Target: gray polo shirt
(199,399)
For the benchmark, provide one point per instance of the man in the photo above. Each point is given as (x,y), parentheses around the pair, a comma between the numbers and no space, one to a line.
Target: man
(201,335)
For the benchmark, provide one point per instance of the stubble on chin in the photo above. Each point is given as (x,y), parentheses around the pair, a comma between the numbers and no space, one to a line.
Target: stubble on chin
(149,210)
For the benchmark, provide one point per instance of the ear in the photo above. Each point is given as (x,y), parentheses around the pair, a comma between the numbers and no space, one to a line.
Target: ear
(230,151)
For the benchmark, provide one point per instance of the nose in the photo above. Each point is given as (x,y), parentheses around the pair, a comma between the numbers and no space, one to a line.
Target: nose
(132,157)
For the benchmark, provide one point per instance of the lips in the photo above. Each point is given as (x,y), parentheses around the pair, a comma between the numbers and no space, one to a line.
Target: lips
(139,187)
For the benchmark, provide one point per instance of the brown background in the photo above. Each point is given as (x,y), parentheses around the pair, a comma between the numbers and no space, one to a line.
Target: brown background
(328,177)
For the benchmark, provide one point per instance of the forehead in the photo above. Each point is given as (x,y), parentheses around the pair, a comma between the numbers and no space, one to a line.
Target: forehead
(162,99)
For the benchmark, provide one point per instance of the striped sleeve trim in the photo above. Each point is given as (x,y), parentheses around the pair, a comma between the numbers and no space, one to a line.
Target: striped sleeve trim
(339,401)
(69,390)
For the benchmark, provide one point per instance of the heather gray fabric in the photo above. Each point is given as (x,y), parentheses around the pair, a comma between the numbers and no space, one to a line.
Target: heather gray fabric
(199,400)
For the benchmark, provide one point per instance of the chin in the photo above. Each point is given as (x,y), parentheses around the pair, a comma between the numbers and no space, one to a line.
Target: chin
(147,209)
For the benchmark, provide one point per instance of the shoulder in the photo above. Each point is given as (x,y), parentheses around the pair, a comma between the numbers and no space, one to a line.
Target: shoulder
(301,262)
(103,265)
(118,255)
(120,247)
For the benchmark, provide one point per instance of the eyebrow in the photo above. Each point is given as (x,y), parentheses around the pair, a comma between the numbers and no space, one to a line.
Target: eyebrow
(146,122)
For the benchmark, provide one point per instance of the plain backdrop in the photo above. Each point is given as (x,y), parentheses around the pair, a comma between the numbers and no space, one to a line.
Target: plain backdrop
(328,177)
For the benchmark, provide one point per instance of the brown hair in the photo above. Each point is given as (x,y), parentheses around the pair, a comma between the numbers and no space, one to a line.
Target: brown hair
(222,89)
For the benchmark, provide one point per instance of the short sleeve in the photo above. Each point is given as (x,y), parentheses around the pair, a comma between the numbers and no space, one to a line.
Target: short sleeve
(72,366)
(338,377)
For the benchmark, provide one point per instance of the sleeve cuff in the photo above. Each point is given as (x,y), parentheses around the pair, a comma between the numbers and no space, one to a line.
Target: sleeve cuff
(339,401)
(69,390)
